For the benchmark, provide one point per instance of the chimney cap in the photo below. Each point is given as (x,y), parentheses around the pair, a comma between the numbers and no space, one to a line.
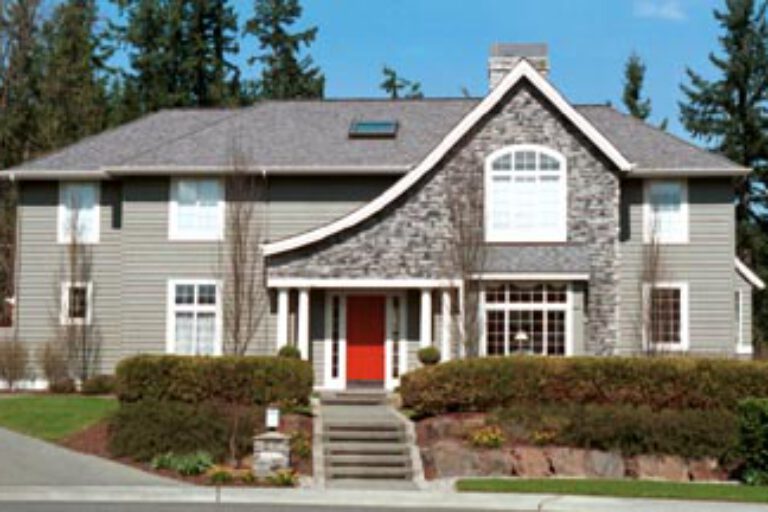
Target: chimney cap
(520,50)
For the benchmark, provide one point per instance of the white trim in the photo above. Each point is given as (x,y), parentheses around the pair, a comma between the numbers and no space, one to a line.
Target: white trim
(301,282)
(303,323)
(65,175)
(679,238)
(64,318)
(174,234)
(61,212)
(172,308)
(748,274)
(425,318)
(495,235)
(201,170)
(282,318)
(692,172)
(446,321)
(522,70)
(741,346)
(391,382)
(685,342)
(531,276)
(340,382)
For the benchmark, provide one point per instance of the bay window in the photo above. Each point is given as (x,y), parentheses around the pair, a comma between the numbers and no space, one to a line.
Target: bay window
(194,318)
(78,212)
(526,318)
(526,195)
(197,209)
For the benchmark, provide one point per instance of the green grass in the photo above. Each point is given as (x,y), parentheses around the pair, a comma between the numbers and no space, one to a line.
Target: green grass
(620,488)
(53,417)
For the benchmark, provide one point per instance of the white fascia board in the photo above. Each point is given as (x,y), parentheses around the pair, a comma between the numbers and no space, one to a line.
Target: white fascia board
(522,70)
(531,276)
(693,173)
(749,275)
(307,283)
(258,169)
(35,175)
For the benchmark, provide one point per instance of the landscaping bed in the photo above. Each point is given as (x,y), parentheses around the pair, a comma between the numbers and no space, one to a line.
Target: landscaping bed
(619,488)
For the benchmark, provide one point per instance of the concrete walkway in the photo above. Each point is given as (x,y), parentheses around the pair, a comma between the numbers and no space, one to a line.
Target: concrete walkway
(25,461)
(374,500)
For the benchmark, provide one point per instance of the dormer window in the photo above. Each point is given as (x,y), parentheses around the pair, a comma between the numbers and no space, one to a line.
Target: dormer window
(525,195)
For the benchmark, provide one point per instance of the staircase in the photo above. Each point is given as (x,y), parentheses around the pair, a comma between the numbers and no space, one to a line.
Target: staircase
(364,441)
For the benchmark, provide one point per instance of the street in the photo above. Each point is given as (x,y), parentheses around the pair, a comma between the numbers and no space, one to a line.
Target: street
(185,507)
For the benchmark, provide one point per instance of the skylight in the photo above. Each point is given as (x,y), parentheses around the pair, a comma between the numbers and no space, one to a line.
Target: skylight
(379,129)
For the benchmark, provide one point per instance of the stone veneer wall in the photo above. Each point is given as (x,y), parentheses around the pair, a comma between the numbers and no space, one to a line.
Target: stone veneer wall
(409,238)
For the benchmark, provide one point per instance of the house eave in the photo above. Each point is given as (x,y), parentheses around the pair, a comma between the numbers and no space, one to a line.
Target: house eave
(689,172)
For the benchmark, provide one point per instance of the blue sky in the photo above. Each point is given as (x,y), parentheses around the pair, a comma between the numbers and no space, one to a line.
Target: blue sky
(444,43)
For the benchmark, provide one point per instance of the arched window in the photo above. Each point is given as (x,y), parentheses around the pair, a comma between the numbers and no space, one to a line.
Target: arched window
(525,195)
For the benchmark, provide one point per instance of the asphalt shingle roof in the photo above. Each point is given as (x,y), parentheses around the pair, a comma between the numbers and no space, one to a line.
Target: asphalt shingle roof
(315,133)
(537,259)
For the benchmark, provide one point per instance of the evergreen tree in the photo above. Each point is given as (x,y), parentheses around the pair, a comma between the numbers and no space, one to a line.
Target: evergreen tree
(634,76)
(284,74)
(398,87)
(19,80)
(73,89)
(729,112)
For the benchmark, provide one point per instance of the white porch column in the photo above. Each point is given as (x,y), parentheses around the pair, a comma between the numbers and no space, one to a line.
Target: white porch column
(445,302)
(282,317)
(303,334)
(426,318)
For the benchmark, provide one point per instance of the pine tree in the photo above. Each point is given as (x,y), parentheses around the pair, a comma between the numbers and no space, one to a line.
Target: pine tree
(634,76)
(73,89)
(396,86)
(729,112)
(19,80)
(284,74)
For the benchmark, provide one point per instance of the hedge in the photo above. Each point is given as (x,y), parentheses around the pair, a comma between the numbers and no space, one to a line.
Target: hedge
(630,430)
(197,380)
(753,430)
(484,384)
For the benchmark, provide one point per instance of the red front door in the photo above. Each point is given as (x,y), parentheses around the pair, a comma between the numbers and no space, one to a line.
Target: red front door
(365,338)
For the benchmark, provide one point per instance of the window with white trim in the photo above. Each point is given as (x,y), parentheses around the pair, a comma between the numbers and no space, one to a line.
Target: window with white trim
(197,209)
(525,195)
(195,318)
(666,211)
(667,306)
(526,318)
(76,301)
(78,216)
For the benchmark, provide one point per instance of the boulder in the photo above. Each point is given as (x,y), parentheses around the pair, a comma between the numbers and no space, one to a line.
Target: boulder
(658,467)
(706,470)
(602,464)
(493,462)
(531,462)
(450,458)
(449,425)
(567,461)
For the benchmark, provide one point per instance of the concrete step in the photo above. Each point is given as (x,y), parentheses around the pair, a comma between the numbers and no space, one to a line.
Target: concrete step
(365,436)
(362,426)
(353,398)
(361,448)
(370,460)
(372,473)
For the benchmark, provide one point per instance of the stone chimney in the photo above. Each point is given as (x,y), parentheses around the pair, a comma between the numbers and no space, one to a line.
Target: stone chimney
(504,56)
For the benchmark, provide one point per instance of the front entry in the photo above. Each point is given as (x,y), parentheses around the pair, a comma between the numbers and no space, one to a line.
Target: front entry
(365,339)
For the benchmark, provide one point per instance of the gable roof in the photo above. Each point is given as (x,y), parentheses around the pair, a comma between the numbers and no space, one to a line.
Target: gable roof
(523,70)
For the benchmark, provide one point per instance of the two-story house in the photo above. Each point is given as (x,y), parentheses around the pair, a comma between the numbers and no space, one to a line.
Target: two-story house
(598,233)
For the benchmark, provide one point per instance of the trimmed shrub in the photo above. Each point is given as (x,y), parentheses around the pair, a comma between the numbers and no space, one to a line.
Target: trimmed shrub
(145,429)
(14,362)
(190,464)
(753,440)
(52,359)
(197,380)
(483,384)
(429,356)
(692,433)
(289,351)
(98,385)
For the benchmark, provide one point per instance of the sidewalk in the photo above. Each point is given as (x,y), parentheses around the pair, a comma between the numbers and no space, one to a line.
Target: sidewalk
(338,499)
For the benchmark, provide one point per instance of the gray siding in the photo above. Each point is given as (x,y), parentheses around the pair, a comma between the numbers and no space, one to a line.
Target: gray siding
(134,259)
(745,287)
(705,263)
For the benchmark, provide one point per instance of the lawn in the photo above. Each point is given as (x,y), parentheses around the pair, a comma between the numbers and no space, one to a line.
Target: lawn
(52,417)
(620,488)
